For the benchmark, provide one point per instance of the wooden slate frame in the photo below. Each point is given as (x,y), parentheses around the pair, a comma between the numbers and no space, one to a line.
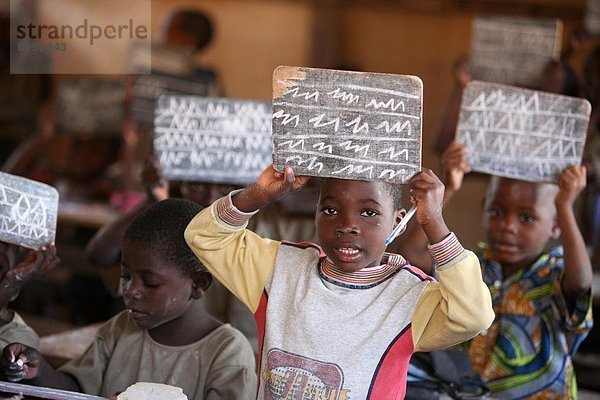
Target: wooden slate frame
(349,125)
(521,133)
(513,50)
(217,140)
(28,211)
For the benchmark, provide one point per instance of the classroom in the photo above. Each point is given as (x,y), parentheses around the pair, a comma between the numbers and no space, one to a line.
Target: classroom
(145,135)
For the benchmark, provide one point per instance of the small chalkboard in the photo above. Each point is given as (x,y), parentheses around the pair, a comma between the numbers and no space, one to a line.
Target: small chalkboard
(592,17)
(91,107)
(148,88)
(349,125)
(218,140)
(28,211)
(521,133)
(513,50)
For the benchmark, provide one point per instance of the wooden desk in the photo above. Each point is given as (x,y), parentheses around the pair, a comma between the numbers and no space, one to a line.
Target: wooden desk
(90,215)
(62,347)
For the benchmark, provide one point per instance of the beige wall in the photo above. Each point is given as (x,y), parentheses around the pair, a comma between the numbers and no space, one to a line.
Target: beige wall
(251,39)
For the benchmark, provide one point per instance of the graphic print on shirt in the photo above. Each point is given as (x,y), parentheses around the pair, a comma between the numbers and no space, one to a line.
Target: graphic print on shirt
(292,377)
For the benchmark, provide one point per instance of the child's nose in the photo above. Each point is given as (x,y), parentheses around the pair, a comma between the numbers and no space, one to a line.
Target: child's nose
(347,226)
(509,223)
(131,290)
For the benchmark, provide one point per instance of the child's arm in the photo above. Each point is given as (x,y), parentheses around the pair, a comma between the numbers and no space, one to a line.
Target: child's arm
(447,128)
(459,306)
(22,362)
(270,186)
(36,264)
(413,245)
(578,275)
(239,258)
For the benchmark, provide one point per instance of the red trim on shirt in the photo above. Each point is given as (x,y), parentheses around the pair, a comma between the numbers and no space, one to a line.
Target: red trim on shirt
(389,379)
(418,272)
(260,317)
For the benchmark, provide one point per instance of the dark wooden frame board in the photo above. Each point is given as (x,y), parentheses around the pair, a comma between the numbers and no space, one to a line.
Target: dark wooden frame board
(521,133)
(348,125)
(513,50)
(219,140)
(28,211)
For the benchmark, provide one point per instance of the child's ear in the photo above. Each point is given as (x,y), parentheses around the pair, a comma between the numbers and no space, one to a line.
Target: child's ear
(555,233)
(202,281)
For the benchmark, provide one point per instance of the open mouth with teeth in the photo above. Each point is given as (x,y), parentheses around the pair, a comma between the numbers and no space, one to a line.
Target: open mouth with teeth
(347,254)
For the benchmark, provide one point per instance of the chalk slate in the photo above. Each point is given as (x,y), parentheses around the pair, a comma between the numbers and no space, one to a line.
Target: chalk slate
(513,50)
(28,211)
(592,17)
(521,133)
(148,88)
(91,106)
(349,125)
(216,140)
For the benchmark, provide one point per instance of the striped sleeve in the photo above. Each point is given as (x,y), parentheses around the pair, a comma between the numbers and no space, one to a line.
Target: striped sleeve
(458,306)
(237,257)
(447,253)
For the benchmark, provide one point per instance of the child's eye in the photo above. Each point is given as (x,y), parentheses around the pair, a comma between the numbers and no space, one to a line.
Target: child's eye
(369,213)
(329,211)
(152,285)
(495,212)
(527,218)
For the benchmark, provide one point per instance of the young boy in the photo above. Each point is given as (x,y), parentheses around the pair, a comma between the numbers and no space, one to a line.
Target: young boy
(18,268)
(164,336)
(342,322)
(541,294)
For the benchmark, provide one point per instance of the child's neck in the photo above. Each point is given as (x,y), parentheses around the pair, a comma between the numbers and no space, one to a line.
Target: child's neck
(194,325)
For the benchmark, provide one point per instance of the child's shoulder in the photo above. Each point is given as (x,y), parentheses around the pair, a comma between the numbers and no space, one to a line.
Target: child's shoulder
(230,345)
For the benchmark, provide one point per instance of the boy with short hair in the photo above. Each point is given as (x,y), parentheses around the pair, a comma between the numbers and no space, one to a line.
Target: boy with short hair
(541,292)
(341,320)
(164,336)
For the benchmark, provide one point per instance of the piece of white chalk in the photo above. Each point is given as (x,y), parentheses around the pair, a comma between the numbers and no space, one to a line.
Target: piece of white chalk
(19,362)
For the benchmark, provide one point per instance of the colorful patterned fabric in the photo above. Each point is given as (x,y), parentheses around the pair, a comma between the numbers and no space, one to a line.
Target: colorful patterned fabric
(527,351)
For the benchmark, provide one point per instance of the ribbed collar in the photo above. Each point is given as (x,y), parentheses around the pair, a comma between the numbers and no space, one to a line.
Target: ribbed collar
(365,278)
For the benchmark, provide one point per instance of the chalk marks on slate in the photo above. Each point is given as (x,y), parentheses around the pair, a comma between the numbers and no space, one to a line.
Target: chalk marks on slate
(347,124)
(212,139)
(28,211)
(513,50)
(521,133)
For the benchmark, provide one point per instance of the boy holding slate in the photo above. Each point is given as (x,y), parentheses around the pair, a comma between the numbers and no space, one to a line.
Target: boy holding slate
(342,320)
(541,293)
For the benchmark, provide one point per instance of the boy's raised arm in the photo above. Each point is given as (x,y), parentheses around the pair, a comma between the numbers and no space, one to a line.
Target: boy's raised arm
(239,258)
(578,275)
(413,245)
(459,306)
